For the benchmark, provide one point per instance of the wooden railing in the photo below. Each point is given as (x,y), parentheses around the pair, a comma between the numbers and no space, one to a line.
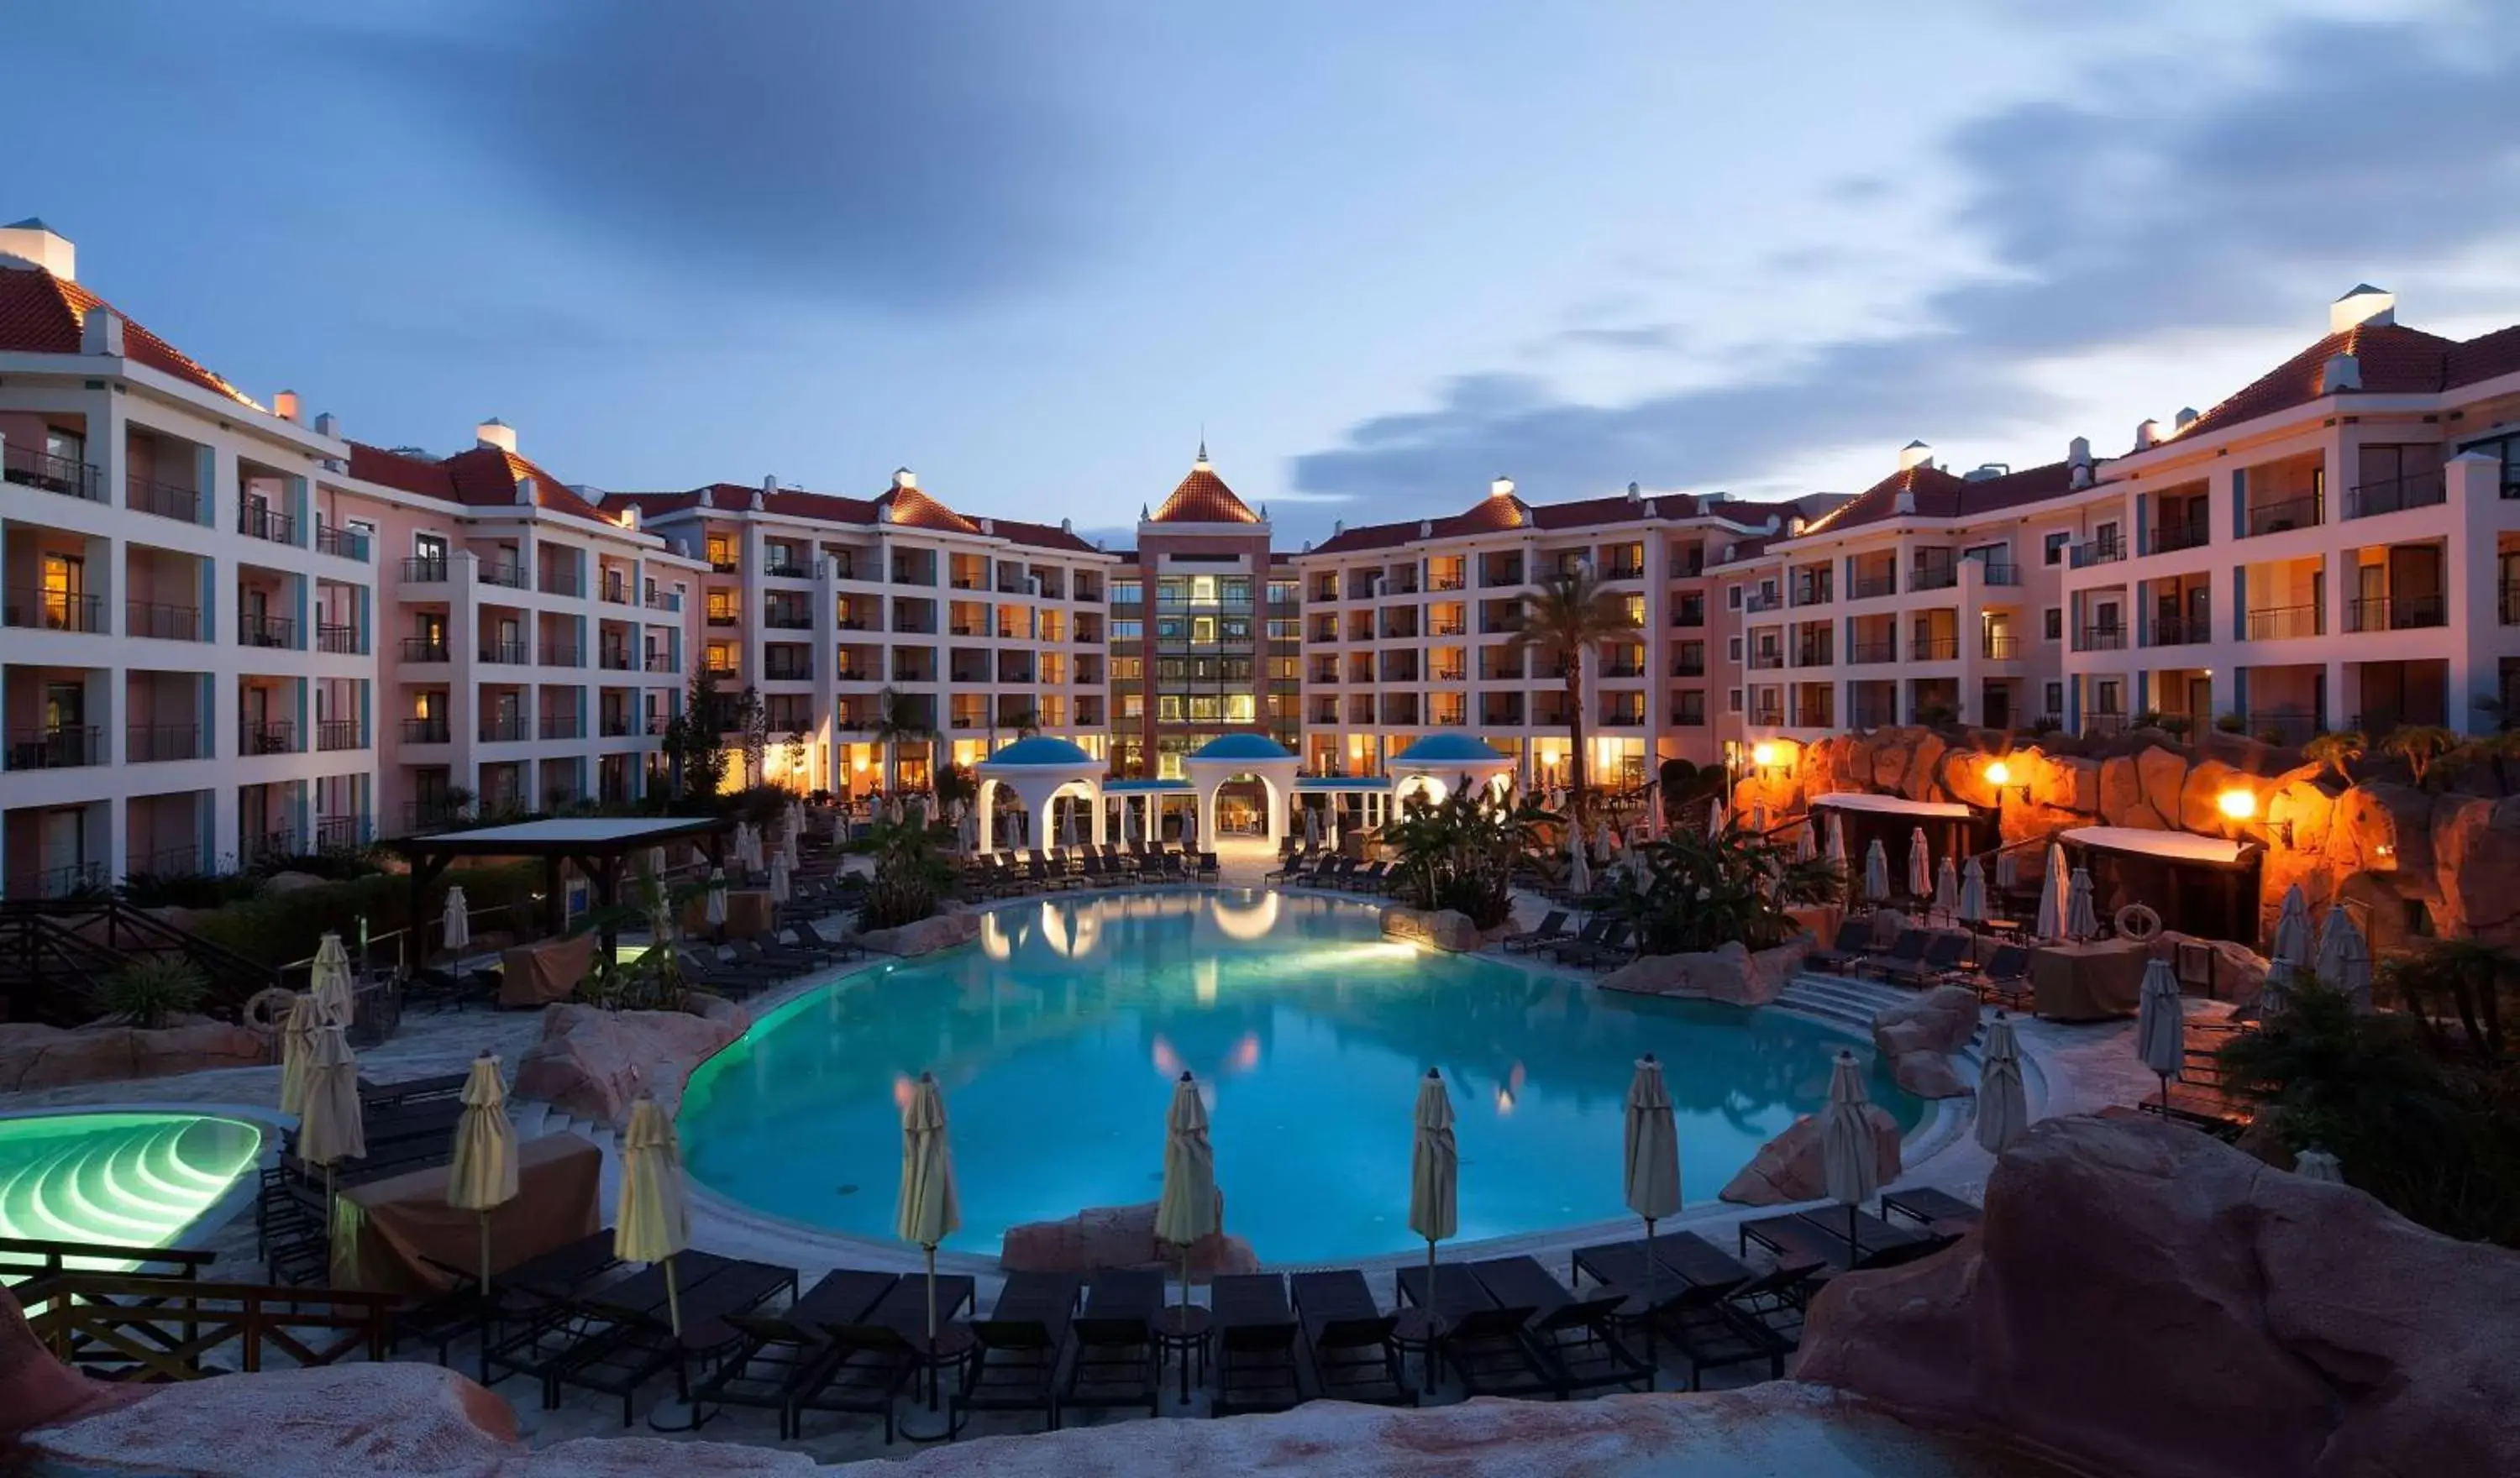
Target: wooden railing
(131,1327)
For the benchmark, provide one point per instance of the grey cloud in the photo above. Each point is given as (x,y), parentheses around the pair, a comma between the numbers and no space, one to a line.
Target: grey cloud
(1639,337)
(907,156)
(2357,150)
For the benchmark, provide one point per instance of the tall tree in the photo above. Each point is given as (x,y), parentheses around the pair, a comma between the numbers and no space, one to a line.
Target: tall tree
(898,722)
(752,731)
(695,743)
(1567,616)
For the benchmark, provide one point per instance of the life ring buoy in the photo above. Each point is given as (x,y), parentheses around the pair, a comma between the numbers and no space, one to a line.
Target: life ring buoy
(268,1010)
(2138,921)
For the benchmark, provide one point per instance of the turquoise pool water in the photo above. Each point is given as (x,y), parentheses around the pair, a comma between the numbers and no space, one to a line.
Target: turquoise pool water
(132,1180)
(1058,1035)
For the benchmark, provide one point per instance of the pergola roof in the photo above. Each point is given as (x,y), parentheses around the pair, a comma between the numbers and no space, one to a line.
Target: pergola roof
(1894,805)
(2168,846)
(1042,750)
(563,836)
(1244,746)
(1450,749)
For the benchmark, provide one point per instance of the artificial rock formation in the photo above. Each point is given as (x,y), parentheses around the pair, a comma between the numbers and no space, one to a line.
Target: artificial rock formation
(1446,929)
(1918,1036)
(594,1063)
(2143,1299)
(1729,973)
(936,931)
(1788,1169)
(34,1056)
(1116,1237)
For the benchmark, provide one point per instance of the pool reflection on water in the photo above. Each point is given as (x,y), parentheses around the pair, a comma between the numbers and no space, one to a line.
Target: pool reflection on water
(1057,1036)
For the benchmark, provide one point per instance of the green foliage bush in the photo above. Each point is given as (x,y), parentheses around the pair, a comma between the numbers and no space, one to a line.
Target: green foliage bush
(279,928)
(188,890)
(910,873)
(1460,853)
(1701,891)
(149,991)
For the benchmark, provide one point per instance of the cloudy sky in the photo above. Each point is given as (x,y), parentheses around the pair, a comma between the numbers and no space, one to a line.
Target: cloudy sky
(1379,253)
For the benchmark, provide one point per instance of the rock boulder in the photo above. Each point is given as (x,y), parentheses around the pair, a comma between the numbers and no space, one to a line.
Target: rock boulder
(1729,973)
(36,1390)
(1446,929)
(1918,1036)
(2242,1321)
(592,1063)
(1787,1167)
(937,931)
(34,1056)
(1115,1236)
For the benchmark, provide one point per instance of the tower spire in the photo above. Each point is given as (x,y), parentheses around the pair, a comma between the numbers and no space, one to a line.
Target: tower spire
(1202,445)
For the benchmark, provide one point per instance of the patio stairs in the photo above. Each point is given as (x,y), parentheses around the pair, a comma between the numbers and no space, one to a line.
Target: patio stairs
(1845,999)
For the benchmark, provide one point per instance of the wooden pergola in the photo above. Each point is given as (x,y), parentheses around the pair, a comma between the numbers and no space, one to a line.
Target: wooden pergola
(598,844)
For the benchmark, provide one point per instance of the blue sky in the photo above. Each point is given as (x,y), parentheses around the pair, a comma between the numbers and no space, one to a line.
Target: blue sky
(1381,254)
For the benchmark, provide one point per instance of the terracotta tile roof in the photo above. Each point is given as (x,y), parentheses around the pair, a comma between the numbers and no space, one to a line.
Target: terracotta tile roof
(2485,357)
(1938,494)
(1490,515)
(1042,536)
(914,509)
(1204,497)
(41,314)
(2394,360)
(1495,513)
(482,477)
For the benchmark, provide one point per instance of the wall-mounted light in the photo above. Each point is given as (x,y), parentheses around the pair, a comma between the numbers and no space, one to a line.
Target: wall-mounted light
(1763,756)
(2240,805)
(1999,774)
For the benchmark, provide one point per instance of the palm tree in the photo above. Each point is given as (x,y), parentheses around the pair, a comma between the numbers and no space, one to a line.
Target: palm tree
(897,722)
(1567,616)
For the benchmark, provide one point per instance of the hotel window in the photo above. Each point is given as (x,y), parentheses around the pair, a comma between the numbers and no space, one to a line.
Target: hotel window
(1732,649)
(1733,699)
(1635,607)
(1132,705)
(1285,593)
(2108,697)
(1127,670)
(1128,592)
(1203,590)
(1235,591)
(2052,623)
(1128,631)
(1732,596)
(2055,699)
(1286,630)
(1168,707)
(430,547)
(721,550)
(1202,628)
(2051,547)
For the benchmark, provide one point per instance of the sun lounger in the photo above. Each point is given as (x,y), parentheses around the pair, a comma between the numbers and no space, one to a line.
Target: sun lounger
(1481,1338)
(845,947)
(640,1343)
(1586,937)
(1348,1338)
(1900,955)
(1615,947)
(1017,1366)
(868,1367)
(1934,1210)
(1571,1337)
(1552,928)
(2004,979)
(1710,1336)
(1117,1358)
(786,1354)
(1854,943)
(1943,954)
(1820,1237)
(1368,880)
(1255,1344)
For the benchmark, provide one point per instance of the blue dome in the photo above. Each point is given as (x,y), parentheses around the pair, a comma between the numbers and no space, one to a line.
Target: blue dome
(1448,749)
(1041,749)
(1244,746)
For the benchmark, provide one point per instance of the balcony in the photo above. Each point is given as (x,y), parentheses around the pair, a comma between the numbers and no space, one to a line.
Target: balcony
(341,734)
(2507,604)
(506,654)
(1690,613)
(29,467)
(276,632)
(614,590)
(664,600)
(618,726)
(505,576)
(266,739)
(1872,653)
(2099,639)
(1768,718)
(428,731)
(165,623)
(722,617)
(2169,539)
(657,721)
(2095,552)
(2277,518)
(1999,572)
(660,661)
(1624,570)
(342,542)
(1870,587)
(1925,649)
(562,655)
(2396,614)
(164,499)
(854,675)
(794,670)
(1766,661)
(1763,602)
(615,660)
(53,610)
(1813,655)
(424,571)
(1451,674)
(1999,647)
(2180,631)
(159,743)
(343,641)
(424,649)
(1688,718)
(787,569)
(1941,576)
(256,522)
(340,833)
(1688,667)
(562,726)
(1443,583)
(722,562)
(1623,668)
(789,620)
(561,581)
(2276,623)
(498,730)
(1813,593)
(2415,490)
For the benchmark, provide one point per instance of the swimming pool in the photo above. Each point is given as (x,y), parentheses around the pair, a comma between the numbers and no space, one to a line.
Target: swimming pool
(1058,1035)
(133,1180)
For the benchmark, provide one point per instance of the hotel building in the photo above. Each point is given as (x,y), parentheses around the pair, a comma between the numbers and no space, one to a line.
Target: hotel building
(2336,546)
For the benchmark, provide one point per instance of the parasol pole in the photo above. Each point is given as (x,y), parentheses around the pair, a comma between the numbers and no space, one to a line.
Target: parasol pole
(673,1299)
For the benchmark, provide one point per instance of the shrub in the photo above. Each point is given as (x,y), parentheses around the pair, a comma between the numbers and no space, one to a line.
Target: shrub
(908,874)
(2146,718)
(279,928)
(1460,853)
(2232,723)
(1701,891)
(188,890)
(2177,725)
(149,991)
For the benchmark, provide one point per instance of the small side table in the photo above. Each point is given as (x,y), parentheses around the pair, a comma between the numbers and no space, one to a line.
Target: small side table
(1419,1330)
(1183,1331)
(954,1346)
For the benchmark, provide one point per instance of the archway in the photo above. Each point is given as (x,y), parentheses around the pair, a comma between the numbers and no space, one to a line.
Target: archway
(1236,756)
(1037,771)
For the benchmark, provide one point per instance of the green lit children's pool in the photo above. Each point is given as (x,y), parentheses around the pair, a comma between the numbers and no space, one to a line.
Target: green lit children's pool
(132,1180)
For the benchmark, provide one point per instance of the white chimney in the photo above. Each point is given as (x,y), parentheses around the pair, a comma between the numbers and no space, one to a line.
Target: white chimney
(2363,305)
(2078,452)
(1794,525)
(37,243)
(884,513)
(2147,435)
(630,516)
(1914,453)
(497,433)
(904,477)
(525,497)
(769,486)
(1425,529)
(284,405)
(1652,510)
(2341,372)
(101,331)
(2186,418)
(1502,487)
(1067,525)
(1634,493)
(988,526)
(327,424)
(756,502)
